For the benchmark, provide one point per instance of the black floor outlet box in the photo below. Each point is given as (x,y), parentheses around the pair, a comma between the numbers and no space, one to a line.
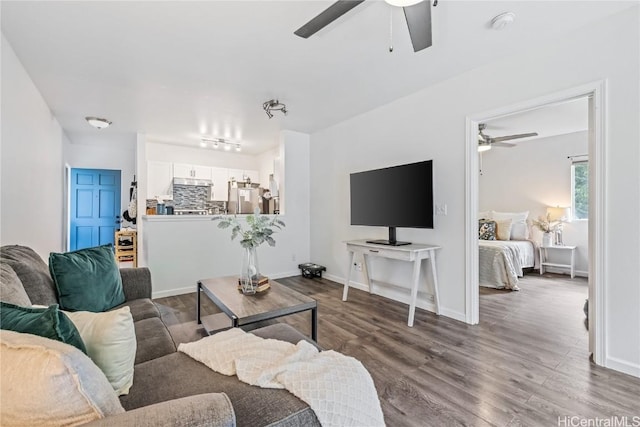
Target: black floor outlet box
(311,270)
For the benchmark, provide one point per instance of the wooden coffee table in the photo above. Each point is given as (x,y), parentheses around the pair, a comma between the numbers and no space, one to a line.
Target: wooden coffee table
(239,310)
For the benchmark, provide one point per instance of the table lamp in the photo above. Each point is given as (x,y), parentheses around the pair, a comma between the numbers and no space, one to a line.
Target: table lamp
(560,216)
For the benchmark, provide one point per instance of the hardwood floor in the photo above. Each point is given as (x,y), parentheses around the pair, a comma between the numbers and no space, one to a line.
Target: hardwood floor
(526,363)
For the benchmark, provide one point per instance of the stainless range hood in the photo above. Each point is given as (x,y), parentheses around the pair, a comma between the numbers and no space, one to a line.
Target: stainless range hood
(193,181)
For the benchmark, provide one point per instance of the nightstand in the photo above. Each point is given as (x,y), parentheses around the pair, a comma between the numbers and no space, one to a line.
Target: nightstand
(544,256)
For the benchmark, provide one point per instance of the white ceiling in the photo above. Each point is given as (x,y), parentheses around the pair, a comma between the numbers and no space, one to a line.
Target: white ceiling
(178,71)
(552,120)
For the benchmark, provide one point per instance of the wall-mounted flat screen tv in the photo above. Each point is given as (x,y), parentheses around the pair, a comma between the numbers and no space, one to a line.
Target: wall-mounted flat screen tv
(397,196)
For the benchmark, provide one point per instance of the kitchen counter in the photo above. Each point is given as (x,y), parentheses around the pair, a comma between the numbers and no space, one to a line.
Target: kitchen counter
(179,218)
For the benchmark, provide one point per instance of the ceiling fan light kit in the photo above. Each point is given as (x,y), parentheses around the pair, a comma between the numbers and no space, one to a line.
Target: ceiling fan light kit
(503,20)
(485,142)
(97,122)
(416,12)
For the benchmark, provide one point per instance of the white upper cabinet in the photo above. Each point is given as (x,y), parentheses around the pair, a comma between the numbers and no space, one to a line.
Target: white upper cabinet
(235,174)
(220,189)
(181,170)
(159,180)
(254,176)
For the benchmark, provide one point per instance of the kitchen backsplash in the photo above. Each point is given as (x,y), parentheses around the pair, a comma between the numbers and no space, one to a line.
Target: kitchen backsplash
(189,197)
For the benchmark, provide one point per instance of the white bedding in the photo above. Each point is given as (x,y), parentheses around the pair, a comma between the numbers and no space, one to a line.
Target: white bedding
(501,262)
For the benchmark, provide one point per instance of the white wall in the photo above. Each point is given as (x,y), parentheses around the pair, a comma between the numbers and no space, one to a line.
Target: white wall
(532,176)
(266,162)
(120,157)
(180,251)
(430,124)
(32,172)
(200,156)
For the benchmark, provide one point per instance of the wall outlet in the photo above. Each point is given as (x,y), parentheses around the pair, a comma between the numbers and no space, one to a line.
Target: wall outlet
(357,266)
(441,209)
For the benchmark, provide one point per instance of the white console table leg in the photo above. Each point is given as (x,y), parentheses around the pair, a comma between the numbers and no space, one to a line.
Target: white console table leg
(573,263)
(348,280)
(414,291)
(366,268)
(434,276)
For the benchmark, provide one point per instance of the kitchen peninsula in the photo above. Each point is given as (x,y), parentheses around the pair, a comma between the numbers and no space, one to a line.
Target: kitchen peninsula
(182,249)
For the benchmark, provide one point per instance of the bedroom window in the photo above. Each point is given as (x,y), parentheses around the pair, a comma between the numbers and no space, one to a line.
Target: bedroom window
(580,189)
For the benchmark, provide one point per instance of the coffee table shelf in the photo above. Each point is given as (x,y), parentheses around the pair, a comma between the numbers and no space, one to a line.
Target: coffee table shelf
(239,310)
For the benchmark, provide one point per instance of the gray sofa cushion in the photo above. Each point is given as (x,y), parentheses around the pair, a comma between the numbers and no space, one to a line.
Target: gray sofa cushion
(203,410)
(153,340)
(33,273)
(141,309)
(177,375)
(11,289)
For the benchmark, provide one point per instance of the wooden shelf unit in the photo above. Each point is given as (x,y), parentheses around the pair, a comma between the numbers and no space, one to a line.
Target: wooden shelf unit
(126,245)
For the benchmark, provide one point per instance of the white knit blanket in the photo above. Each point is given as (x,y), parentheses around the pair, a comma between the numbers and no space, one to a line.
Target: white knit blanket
(338,388)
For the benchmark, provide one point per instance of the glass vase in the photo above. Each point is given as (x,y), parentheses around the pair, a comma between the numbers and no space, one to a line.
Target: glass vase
(250,273)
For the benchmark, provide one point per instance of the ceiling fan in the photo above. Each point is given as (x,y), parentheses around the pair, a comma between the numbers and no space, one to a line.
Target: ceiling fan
(485,142)
(416,12)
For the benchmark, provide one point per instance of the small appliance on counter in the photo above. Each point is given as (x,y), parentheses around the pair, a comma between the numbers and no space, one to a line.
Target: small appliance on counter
(190,212)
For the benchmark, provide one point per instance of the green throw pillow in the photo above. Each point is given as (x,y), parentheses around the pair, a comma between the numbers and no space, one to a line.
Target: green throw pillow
(47,322)
(87,279)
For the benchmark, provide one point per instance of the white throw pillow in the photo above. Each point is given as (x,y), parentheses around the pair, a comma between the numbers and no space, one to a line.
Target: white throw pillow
(503,229)
(50,383)
(519,228)
(110,339)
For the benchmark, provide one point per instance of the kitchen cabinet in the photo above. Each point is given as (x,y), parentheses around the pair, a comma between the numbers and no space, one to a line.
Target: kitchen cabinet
(254,176)
(220,189)
(159,180)
(181,170)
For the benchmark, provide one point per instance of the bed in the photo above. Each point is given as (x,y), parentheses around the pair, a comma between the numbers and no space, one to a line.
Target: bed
(502,262)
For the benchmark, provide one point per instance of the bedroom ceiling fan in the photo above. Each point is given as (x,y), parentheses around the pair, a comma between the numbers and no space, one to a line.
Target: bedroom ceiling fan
(416,12)
(485,142)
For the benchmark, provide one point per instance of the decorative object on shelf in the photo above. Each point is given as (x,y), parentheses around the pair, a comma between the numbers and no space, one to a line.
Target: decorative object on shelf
(274,105)
(559,215)
(261,229)
(547,239)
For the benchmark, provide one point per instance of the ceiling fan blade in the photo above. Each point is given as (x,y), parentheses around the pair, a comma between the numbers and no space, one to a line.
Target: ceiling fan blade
(326,17)
(503,144)
(510,137)
(419,22)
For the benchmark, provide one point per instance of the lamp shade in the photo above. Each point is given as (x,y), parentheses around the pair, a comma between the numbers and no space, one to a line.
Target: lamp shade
(559,214)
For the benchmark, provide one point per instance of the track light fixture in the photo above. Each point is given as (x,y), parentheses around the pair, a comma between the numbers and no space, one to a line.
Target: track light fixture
(221,142)
(274,105)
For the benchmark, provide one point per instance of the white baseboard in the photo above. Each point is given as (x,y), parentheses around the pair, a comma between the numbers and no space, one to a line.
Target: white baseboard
(276,276)
(623,366)
(173,292)
(381,291)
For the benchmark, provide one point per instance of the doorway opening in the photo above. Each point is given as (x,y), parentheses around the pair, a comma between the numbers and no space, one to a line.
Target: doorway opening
(594,93)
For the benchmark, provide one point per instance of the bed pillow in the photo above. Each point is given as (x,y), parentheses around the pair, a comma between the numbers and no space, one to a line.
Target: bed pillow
(485,215)
(519,228)
(486,230)
(47,383)
(503,229)
(88,279)
(48,322)
(110,339)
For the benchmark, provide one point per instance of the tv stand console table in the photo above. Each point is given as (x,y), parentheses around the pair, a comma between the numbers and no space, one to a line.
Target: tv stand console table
(414,253)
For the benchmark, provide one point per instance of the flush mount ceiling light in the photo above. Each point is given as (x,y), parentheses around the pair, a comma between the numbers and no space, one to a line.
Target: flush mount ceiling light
(97,122)
(218,142)
(503,20)
(274,105)
(402,3)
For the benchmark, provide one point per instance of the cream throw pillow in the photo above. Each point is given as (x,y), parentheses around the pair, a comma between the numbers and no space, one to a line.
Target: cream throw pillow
(503,230)
(110,339)
(50,383)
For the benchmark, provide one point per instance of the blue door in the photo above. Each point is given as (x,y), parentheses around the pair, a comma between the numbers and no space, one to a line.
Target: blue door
(95,207)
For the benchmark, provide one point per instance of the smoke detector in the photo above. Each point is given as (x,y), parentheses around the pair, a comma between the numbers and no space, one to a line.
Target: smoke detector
(503,20)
